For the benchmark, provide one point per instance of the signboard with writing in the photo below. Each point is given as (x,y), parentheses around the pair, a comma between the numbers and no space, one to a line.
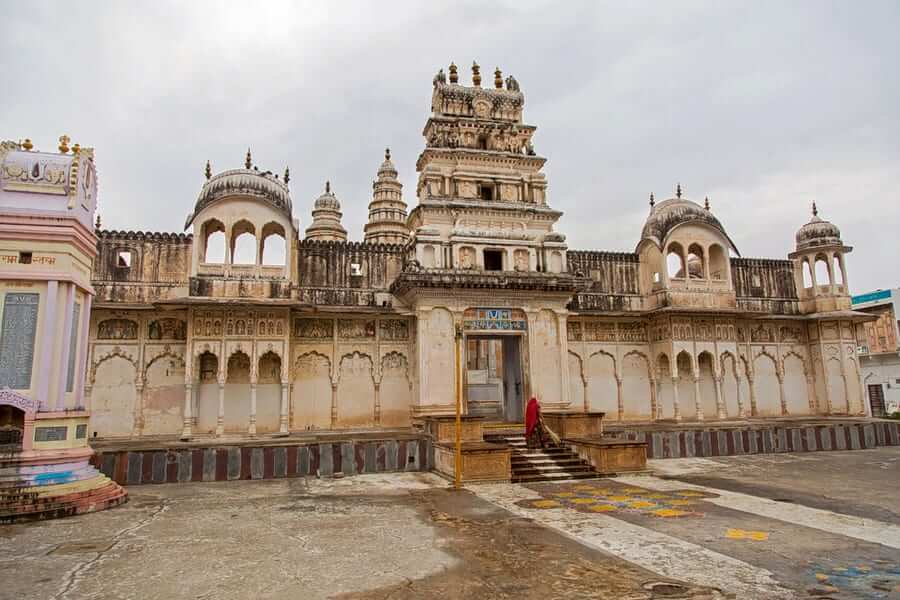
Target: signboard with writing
(17,340)
(494,319)
(872,297)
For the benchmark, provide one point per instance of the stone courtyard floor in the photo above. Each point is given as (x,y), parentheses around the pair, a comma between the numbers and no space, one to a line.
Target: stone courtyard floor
(822,525)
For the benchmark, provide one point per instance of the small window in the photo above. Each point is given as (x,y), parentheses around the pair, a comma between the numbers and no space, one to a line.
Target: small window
(123,259)
(486,191)
(493,260)
(355,270)
(24,258)
(80,431)
(482,142)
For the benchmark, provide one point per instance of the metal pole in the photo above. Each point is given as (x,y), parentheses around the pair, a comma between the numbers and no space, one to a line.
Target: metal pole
(457,480)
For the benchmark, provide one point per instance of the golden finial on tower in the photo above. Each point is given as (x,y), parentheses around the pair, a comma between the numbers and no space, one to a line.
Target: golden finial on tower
(454,76)
(208,171)
(387,154)
(498,79)
(327,187)
(248,160)
(64,144)
(76,148)
(814,209)
(706,203)
(652,200)
(678,191)
(476,74)
(27,145)
(287,175)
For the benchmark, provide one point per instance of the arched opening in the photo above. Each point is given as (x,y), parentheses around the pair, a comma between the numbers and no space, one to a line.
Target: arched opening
(268,392)
(274,246)
(665,398)
(12,427)
(838,272)
(696,268)
(706,371)
(237,392)
(807,275)
(675,261)
(213,236)
(822,275)
(243,243)
(718,263)
(428,257)
(685,367)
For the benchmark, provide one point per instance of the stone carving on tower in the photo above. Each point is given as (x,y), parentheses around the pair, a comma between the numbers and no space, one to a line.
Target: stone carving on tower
(387,211)
(482,195)
(326,214)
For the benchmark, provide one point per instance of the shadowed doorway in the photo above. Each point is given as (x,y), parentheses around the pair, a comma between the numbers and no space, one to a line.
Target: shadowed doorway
(494,384)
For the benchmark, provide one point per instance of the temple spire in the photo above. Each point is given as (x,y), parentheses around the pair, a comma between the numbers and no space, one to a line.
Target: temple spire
(248,160)
(287,175)
(498,78)
(815,210)
(652,200)
(208,171)
(678,191)
(327,187)
(476,74)
(706,203)
(454,76)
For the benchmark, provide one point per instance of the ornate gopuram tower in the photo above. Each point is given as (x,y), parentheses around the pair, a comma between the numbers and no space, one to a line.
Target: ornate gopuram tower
(484,257)
(47,245)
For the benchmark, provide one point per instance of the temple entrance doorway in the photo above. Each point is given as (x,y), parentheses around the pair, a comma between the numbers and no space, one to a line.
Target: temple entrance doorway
(494,384)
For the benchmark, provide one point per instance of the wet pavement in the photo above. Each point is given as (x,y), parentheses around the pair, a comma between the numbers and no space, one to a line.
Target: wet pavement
(823,526)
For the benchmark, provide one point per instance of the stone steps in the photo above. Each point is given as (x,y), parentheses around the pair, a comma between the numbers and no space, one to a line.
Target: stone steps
(531,465)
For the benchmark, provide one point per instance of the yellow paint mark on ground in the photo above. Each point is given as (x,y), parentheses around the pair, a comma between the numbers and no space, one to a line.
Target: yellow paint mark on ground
(585,488)
(583,500)
(546,504)
(680,502)
(740,534)
(669,512)
(690,494)
(641,504)
(565,494)
(655,496)
(618,498)
(820,577)
(632,490)
(602,508)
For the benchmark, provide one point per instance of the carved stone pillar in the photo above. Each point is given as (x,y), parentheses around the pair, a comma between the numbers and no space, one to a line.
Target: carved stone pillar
(654,399)
(587,394)
(846,390)
(251,430)
(676,409)
(620,400)
(781,397)
(811,393)
(753,411)
(334,414)
(283,414)
(186,430)
(220,418)
(698,400)
(377,415)
(721,413)
(742,412)
(137,429)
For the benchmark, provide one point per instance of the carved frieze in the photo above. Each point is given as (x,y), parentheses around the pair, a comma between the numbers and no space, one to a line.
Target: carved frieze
(356,328)
(573,331)
(313,328)
(117,329)
(394,329)
(830,330)
(762,334)
(725,332)
(704,331)
(791,334)
(632,331)
(167,329)
(682,330)
(599,331)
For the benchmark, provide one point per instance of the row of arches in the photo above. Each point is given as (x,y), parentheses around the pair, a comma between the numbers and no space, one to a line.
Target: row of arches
(696,262)
(236,399)
(244,247)
(702,387)
(826,271)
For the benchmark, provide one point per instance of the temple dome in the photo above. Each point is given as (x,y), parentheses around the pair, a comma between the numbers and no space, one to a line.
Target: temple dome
(251,183)
(818,232)
(665,216)
(326,214)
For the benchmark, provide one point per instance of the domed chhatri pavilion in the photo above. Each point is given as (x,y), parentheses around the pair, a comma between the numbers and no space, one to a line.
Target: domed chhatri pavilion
(251,325)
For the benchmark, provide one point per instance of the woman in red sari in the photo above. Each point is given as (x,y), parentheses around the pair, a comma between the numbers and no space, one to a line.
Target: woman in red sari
(534,430)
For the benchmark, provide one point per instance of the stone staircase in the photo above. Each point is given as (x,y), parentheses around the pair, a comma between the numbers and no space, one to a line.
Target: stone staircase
(547,464)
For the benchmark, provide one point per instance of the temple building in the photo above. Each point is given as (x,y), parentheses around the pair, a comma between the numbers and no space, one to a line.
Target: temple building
(248,325)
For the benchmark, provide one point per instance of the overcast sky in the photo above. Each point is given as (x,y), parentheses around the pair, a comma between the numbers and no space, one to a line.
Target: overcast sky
(762,106)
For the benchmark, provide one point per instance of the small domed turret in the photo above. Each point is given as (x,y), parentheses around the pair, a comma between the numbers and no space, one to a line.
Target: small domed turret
(818,232)
(326,215)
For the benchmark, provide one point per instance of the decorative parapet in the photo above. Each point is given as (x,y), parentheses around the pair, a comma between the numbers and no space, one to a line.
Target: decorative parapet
(501,280)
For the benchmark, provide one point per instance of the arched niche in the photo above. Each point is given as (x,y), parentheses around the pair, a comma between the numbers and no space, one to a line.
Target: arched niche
(675,261)
(274,244)
(212,240)
(243,243)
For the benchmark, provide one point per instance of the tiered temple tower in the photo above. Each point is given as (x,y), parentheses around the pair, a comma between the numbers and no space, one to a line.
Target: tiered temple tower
(326,214)
(387,211)
(482,195)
